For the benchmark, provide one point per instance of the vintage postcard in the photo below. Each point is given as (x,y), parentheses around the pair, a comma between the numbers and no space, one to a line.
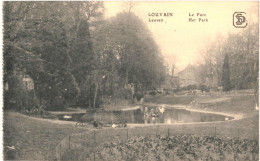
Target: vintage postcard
(130,80)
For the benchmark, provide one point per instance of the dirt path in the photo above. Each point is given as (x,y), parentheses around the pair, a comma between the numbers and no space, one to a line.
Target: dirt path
(216,100)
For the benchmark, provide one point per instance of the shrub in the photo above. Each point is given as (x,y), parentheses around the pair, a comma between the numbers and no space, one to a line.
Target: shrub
(204,88)
(35,111)
(152,93)
(139,95)
(185,147)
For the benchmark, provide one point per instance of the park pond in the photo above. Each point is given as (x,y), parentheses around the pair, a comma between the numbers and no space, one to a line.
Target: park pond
(149,115)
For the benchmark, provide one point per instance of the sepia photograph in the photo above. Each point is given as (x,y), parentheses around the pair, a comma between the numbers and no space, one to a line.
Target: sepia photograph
(130,80)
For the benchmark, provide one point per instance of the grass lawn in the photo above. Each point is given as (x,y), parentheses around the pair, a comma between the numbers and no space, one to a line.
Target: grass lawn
(234,104)
(34,139)
(160,99)
(37,139)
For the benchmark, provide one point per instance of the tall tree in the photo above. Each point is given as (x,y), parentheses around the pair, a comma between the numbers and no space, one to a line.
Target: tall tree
(126,53)
(226,74)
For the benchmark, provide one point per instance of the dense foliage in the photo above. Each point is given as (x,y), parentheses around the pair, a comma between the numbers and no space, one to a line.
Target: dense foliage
(185,147)
(74,56)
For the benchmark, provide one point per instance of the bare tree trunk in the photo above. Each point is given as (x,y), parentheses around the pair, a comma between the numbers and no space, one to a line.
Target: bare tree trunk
(89,103)
(95,95)
(132,94)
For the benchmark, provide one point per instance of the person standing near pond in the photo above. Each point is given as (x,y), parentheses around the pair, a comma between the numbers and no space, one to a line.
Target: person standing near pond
(162,109)
(146,115)
(157,115)
(153,116)
(161,113)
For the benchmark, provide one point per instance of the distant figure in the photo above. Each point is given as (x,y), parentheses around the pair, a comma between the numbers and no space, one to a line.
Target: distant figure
(162,109)
(154,116)
(157,114)
(97,124)
(146,115)
(119,125)
(66,117)
(193,102)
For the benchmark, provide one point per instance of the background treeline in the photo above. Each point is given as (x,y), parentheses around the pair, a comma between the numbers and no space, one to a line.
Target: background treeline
(231,61)
(74,56)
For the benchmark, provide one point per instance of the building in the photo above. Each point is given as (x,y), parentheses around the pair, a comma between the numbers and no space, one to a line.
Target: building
(187,76)
(28,82)
(170,82)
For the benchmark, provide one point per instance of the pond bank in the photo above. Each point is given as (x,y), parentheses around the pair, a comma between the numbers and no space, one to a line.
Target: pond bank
(37,139)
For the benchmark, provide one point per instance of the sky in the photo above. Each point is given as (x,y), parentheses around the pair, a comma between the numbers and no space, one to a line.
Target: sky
(181,41)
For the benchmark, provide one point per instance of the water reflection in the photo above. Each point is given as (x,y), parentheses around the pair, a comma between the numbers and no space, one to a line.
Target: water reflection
(150,115)
(155,115)
(171,116)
